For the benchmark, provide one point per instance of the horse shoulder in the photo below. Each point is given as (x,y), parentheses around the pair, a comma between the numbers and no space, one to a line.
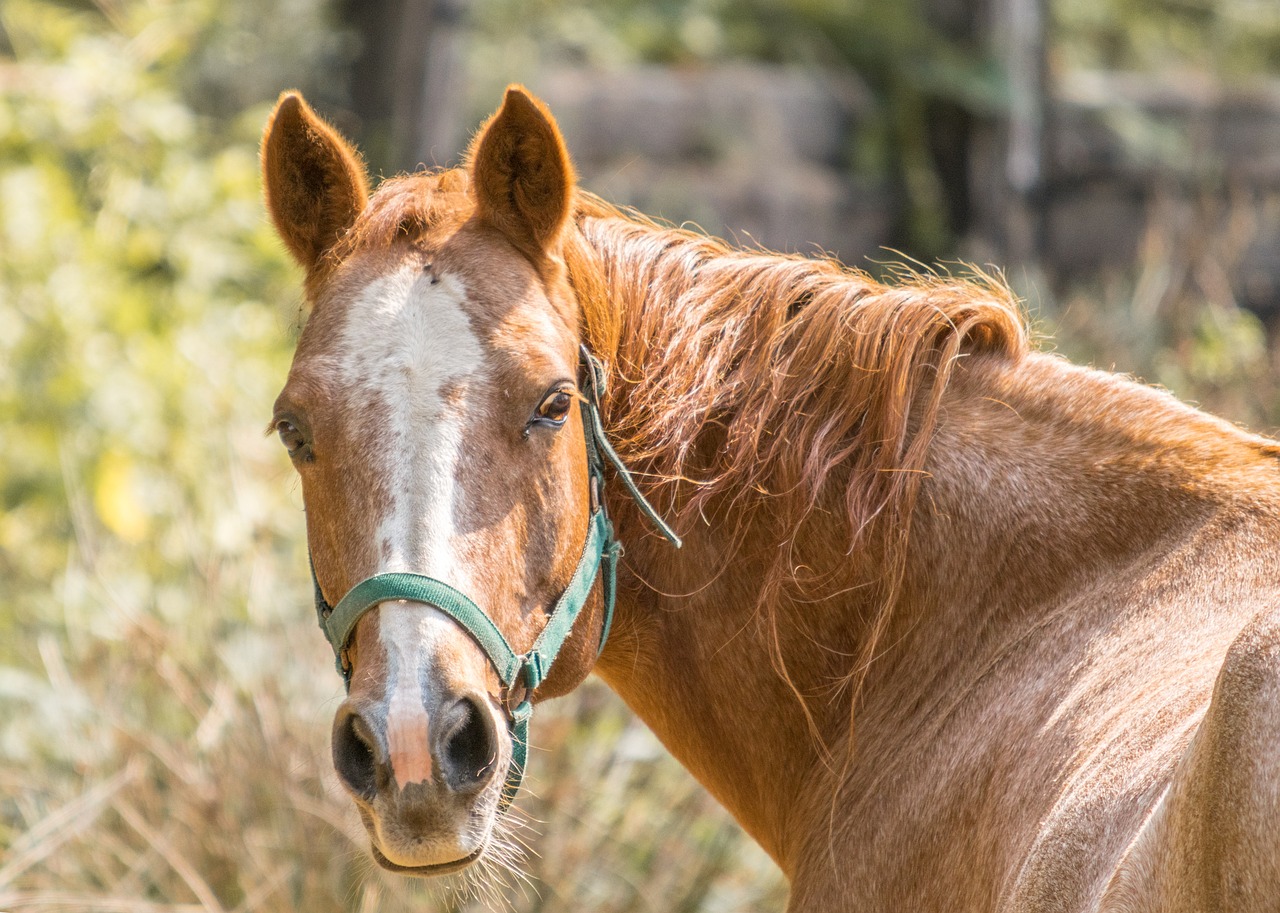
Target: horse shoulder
(1213,841)
(1170,801)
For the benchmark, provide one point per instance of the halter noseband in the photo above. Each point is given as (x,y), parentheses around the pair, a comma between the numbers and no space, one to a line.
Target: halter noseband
(528,669)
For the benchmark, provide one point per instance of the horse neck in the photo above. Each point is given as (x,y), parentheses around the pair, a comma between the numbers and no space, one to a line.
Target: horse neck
(697,650)
(1050,477)
(739,698)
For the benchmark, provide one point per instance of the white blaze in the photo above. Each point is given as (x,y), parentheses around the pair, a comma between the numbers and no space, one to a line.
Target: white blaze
(408,338)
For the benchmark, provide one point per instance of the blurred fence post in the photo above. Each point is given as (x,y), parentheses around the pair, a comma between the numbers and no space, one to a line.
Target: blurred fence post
(992,165)
(428,124)
(1019,35)
(405,85)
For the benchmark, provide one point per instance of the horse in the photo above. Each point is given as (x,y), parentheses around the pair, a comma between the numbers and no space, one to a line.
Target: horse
(954,623)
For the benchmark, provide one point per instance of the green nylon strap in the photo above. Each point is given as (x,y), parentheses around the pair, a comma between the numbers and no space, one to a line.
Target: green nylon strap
(418,588)
(610,584)
(537,662)
(595,434)
(519,754)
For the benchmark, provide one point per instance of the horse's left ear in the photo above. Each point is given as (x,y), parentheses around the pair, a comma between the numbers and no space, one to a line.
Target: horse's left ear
(521,173)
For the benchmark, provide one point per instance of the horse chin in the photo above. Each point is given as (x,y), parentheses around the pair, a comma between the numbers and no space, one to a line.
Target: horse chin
(427,871)
(399,849)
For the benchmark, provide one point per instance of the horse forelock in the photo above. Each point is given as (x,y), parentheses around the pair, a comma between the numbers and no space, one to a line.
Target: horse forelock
(405,208)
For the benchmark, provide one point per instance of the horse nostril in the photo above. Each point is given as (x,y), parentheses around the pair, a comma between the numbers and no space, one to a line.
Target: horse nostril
(354,757)
(471,747)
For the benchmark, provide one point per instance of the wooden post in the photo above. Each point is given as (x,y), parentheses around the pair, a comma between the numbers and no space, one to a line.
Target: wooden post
(405,85)
(1019,34)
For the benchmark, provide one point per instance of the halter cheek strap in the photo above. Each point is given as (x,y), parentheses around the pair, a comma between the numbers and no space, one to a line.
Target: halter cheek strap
(602,549)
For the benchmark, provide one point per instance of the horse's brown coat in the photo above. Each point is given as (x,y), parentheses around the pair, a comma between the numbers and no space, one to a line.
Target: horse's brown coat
(957,626)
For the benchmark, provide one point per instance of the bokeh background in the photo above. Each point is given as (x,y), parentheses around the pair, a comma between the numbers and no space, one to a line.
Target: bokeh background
(164,696)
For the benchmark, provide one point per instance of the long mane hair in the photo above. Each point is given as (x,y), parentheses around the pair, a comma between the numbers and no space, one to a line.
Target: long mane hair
(783,388)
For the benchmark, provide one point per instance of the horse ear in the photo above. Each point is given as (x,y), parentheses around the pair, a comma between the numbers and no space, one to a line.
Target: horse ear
(314,182)
(521,173)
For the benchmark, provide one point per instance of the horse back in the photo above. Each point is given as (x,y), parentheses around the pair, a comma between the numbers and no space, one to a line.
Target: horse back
(1164,796)
(1162,754)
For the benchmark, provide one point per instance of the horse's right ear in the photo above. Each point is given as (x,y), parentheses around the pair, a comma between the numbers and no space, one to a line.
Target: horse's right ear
(314,182)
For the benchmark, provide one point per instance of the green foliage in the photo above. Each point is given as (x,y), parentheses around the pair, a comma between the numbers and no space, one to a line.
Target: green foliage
(1172,319)
(1228,38)
(145,310)
(920,67)
(893,43)
(909,62)
(140,294)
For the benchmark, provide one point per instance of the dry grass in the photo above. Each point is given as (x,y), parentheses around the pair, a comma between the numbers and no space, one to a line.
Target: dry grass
(173,782)
(1174,318)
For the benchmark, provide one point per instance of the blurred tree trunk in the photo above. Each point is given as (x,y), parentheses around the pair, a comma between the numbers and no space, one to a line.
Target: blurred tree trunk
(992,168)
(1020,28)
(953,126)
(406,83)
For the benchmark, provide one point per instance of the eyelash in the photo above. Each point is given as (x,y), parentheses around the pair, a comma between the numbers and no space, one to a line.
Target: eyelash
(295,442)
(561,400)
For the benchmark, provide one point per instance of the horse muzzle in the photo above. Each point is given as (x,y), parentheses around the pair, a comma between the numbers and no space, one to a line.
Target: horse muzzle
(425,770)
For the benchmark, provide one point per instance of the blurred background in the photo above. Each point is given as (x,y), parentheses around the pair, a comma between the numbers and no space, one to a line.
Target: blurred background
(165,699)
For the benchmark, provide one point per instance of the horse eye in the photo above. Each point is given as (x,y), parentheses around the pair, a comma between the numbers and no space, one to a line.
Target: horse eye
(555,408)
(293,439)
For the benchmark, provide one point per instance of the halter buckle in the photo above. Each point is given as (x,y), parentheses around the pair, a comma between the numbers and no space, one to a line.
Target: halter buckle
(522,712)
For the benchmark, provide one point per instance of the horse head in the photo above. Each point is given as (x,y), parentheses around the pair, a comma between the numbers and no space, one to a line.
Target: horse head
(436,412)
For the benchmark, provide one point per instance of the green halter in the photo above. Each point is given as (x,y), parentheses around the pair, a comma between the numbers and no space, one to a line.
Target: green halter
(527,669)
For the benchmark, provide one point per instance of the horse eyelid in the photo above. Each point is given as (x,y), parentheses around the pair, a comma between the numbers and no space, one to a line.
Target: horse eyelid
(303,451)
(563,387)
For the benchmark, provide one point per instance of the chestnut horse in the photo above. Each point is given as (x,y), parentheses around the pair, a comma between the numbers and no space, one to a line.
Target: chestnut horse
(955,626)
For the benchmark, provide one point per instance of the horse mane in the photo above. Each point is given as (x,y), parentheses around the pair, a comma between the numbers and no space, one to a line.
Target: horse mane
(783,388)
